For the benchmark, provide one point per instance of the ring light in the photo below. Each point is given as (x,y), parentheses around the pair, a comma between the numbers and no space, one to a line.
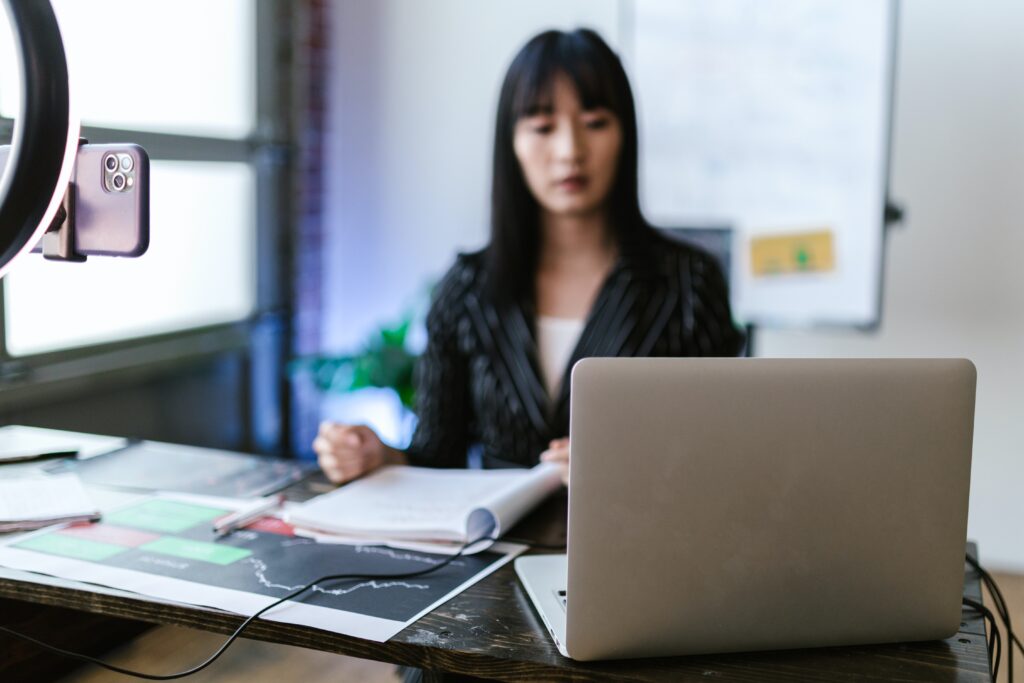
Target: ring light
(45,138)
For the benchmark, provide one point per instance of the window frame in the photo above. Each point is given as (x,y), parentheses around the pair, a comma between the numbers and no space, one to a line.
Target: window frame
(267,150)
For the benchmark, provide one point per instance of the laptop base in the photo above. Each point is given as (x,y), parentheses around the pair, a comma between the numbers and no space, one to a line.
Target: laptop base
(545,578)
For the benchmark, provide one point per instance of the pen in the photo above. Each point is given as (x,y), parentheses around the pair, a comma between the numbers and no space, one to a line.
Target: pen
(239,518)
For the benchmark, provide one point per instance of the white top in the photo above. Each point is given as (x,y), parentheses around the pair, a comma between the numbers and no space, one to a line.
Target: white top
(556,340)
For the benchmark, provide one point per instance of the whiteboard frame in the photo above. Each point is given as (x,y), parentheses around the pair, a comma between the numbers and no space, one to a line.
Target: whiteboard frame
(627,17)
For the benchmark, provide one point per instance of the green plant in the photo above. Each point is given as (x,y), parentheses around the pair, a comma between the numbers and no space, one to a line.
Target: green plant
(385,361)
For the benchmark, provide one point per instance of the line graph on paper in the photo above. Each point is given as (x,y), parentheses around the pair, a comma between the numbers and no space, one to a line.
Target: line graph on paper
(260,570)
(174,539)
(406,556)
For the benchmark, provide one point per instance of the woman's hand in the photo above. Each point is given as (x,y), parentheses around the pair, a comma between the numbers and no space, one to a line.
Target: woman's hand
(558,452)
(345,452)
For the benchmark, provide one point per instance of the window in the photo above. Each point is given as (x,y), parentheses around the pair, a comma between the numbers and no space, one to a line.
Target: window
(180,79)
(198,270)
(183,67)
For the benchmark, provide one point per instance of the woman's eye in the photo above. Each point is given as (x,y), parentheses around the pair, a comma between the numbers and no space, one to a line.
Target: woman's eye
(543,129)
(597,124)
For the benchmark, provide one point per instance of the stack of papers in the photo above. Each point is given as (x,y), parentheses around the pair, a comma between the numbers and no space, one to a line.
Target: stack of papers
(34,502)
(422,507)
(19,443)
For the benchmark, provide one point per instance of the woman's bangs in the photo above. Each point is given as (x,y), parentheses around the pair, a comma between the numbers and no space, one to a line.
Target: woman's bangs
(573,59)
(533,94)
(594,85)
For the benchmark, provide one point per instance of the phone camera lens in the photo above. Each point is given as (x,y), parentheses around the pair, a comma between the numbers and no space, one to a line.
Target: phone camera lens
(126,163)
(110,163)
(118,181)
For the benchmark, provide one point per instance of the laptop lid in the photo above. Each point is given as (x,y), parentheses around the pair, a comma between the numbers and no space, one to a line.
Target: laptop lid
(722,505)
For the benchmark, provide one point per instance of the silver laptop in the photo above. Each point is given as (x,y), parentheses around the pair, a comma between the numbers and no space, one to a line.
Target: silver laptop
(721,505)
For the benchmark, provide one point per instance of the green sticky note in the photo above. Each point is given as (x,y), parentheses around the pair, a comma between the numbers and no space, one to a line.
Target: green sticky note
(196,550)
(166,516)
(69,546)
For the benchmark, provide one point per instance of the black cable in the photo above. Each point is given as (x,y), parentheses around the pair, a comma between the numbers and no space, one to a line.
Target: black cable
(997,597)
(1001,608)
(227,643)
(993,632)
(1004,613)
(995,643)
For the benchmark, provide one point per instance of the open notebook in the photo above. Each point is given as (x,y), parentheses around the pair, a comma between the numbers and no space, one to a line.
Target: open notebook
(416,504)
(34,502)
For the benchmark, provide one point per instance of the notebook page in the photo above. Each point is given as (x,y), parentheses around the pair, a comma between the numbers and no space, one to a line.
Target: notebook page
(54,497)
(511,504)
(407,502)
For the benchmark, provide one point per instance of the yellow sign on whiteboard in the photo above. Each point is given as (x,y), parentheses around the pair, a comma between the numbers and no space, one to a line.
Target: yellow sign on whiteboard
(803,252)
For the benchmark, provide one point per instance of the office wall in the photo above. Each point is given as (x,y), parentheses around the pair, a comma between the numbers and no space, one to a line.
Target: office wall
(412,99)
(954,285)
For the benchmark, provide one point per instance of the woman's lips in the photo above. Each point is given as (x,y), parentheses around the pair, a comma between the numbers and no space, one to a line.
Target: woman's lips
(573,183)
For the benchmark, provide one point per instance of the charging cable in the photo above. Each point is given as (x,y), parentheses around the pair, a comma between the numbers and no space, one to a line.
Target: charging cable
(995,638)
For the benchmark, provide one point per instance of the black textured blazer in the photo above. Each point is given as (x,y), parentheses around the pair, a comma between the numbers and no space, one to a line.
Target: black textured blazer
(479,380)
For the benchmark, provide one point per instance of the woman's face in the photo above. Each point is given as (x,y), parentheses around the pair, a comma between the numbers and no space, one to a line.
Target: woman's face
(568,154)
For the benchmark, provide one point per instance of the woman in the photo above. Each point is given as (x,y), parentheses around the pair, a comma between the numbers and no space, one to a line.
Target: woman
(572,270)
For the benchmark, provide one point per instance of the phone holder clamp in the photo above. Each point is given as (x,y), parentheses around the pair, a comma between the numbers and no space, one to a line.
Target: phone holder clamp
(59,239)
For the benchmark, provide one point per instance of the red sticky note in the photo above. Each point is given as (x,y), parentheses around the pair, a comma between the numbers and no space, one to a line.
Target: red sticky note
(108,533)
(272,525)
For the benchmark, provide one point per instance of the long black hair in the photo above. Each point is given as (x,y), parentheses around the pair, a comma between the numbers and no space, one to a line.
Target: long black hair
(600,80)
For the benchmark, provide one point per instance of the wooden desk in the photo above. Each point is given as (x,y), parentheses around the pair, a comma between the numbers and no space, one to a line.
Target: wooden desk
(492,631)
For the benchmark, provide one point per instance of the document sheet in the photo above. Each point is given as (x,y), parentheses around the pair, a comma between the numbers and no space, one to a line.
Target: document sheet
(164,546)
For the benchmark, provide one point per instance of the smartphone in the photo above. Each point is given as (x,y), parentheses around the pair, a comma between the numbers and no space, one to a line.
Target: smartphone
(111,199)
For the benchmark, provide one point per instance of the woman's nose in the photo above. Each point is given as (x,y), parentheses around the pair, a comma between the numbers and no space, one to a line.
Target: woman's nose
(570,143)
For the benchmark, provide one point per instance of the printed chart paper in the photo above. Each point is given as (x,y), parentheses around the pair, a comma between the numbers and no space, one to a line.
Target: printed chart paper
(164,547)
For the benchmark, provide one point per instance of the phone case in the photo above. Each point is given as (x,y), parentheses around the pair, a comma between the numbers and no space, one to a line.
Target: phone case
(107,222)
(110,222)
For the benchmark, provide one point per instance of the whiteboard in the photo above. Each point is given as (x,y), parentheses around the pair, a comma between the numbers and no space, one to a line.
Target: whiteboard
(774,118)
